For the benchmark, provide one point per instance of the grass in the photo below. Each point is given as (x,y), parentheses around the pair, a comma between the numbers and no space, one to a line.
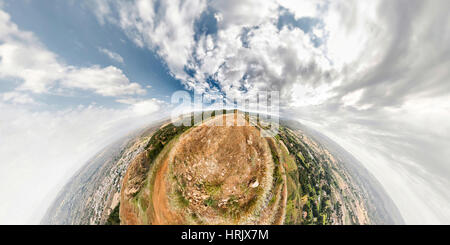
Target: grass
(290,162)
(299,154)
(213,189)
(291,213)
(211,202)
(272,200)
(233,209)
(144,203)
(181,200)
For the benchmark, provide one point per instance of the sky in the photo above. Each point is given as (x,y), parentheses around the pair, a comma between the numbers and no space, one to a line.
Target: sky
(372,75)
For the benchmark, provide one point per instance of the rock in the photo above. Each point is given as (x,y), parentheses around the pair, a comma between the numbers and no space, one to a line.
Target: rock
(254,184)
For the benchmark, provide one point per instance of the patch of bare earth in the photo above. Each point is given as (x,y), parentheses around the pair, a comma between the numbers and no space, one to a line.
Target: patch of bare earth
(219,172)
(163,214)
(211,174)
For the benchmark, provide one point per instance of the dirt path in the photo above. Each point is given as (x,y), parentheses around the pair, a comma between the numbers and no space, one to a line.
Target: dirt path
(163,214)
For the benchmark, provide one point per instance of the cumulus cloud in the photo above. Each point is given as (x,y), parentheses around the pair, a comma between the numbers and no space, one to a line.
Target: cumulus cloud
(108,81)
(166,26)
(373,75)
(143,107)
(23,57)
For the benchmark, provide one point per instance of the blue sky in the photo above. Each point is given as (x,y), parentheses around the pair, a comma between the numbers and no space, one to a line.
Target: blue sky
(71,30)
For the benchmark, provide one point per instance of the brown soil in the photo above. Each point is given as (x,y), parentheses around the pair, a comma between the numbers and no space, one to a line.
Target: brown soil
(215,167)
(163,215)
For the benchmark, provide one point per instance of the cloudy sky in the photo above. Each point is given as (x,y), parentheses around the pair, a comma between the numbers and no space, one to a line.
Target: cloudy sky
(372,75)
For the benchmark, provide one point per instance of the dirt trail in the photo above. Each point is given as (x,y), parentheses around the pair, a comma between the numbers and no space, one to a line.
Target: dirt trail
(163,214)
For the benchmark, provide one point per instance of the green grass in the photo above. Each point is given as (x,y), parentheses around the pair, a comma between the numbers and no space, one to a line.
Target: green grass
(181,200)
(272,200)
(299,154)
(213,189)
(233,209)
(291,212)
(211,202)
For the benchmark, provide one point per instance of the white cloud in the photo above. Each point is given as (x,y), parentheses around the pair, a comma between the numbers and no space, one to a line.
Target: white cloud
(107,81)
(351,99)
(112,55)
(143,107)
(308,8)
(170,31)
(23,57)
(355,33)
(304,95)
(237,13)
(146,107)
(36,67)
(102,10)
(17,98)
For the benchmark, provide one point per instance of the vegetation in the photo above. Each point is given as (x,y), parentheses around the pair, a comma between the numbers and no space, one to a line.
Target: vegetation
(182,201)
(211,202)
(213,189)
(114,218)
(315,180)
